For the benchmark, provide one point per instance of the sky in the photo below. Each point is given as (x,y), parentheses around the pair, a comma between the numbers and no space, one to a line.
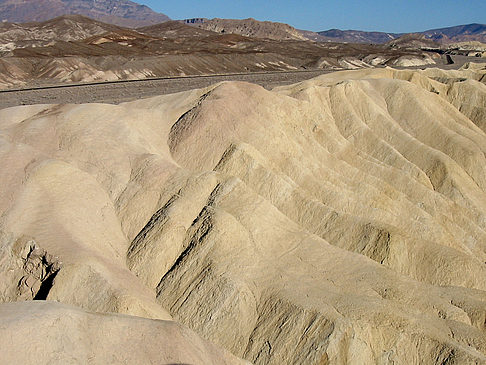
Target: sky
(400,16)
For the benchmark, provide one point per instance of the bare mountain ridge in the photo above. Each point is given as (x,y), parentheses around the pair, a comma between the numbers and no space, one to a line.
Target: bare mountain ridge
(63,28)
(281,31)
(119,12)
(460,33)
(78,49)
(248,27)
(130,14)
(171,29)
(355,36)
(413,40)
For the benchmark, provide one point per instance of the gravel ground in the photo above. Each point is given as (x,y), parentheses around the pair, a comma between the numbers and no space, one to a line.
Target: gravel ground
(118,92)
(121,91)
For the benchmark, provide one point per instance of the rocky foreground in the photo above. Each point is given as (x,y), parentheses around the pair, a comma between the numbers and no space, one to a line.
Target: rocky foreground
(339,220)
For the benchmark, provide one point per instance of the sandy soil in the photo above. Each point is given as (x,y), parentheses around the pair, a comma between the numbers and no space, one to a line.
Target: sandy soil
(117,92)
(121,91)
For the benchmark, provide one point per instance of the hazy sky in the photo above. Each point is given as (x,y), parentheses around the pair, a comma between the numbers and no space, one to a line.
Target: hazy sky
(381,15)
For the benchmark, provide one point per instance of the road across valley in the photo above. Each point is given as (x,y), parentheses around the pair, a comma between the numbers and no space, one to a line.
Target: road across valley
(115,92)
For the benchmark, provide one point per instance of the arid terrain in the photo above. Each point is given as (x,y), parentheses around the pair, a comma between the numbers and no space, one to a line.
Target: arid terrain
(130,14)
(462,33)
(218,191)
(122,91)
(78,49)
(120,12)
(272,30)
(337,220)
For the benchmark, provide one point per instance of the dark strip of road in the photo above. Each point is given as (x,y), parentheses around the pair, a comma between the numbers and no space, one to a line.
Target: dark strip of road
(115,92)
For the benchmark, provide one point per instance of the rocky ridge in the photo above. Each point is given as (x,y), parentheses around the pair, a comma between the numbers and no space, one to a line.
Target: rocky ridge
(248,27)
(120,12)
(78,49)
(273,30)
(460,33)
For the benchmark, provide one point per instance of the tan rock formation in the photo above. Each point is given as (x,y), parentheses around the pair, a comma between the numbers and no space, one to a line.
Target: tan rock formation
(339,220)
(251,28)
(54,333)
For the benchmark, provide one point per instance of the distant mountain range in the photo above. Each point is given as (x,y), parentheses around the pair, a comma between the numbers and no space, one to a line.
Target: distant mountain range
(130,14)
(254,28)
(460,33)
(355,36)
(120,12)
(74,48)
(248,28)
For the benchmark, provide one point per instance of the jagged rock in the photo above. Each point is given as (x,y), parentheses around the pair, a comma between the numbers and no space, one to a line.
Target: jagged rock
(27,270)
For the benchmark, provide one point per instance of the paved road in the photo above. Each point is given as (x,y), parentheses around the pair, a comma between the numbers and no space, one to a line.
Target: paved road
(120,91)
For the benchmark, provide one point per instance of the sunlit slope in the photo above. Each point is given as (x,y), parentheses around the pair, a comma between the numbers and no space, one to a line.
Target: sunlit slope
(54,333)
(340,220)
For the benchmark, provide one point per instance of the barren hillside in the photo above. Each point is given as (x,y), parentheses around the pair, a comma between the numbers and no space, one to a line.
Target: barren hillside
(65,28)
(249,28)
(60,334)
(120,12)
(339,220)
(460,33)
(79,49)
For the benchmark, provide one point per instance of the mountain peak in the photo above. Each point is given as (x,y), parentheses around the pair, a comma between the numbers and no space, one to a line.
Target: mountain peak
(120,12)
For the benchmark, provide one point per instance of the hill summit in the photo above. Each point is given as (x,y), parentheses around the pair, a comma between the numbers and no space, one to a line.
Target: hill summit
(120,12)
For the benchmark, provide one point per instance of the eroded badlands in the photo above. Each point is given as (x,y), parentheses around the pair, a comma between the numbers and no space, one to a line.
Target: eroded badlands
(341,220)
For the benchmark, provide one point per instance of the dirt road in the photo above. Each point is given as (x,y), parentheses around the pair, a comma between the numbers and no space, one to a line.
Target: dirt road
(120,91)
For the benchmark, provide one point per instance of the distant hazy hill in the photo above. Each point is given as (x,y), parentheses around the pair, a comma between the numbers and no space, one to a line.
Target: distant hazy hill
(119,12)
(460,33)
(280,31)
(248,27)
(174,29)
(356,36)
(63,28)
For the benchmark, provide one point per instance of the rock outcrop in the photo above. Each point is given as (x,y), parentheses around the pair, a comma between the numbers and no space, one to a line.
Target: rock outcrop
(249,28)
(54,333)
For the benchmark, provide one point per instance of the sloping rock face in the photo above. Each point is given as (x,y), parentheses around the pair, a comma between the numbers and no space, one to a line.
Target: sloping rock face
(54,333)
(249,28)
(65,28)
(356,36)
(459,33)
(339,220)
(119,12)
